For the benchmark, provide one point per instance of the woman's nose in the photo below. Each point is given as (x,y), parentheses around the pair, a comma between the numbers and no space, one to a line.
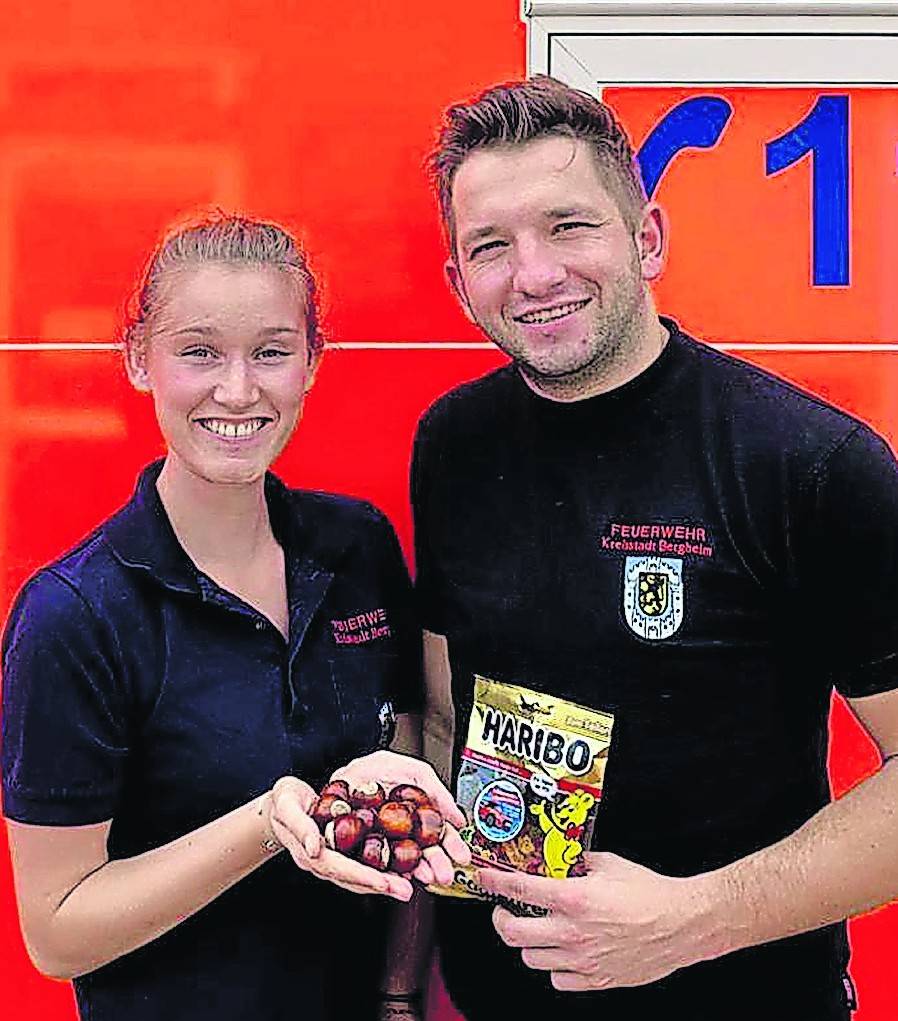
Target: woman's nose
(236,387)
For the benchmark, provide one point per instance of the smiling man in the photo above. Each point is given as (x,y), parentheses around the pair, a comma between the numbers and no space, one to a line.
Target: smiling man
(626,519)
(550,266)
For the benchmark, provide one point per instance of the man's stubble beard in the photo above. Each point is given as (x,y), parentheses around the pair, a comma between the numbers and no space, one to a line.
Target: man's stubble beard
(614,342)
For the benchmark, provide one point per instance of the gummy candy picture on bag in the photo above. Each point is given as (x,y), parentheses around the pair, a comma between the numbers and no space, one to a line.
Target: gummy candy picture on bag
(530,782)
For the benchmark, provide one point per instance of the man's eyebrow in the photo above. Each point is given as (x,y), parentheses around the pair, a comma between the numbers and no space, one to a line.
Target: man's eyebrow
(477,234)
(565,212)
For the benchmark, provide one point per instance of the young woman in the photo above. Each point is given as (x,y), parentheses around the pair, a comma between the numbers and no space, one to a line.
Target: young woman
(177,686)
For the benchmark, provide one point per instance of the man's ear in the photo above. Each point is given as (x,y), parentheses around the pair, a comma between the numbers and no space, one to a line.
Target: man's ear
(453,275)
(315,356)
(651,241)
(136,359)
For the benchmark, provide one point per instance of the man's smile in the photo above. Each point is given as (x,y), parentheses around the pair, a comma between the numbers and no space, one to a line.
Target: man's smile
(551,313)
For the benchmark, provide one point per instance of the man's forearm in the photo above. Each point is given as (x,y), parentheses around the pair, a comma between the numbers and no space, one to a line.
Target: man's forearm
(409,945)
(438,746)
(843,861)
(439,717)
(409,937)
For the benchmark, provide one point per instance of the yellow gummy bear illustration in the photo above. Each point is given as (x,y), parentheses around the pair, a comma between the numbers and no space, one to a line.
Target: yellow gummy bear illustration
(563,827)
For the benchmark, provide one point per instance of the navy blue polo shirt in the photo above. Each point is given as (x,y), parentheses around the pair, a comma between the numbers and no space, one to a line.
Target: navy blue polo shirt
(137,690)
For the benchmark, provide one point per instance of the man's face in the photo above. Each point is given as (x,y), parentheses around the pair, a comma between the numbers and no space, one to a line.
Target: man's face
(545,263)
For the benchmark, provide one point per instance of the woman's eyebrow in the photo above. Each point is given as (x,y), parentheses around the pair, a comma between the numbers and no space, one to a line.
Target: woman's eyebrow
(272,330)
(205,331)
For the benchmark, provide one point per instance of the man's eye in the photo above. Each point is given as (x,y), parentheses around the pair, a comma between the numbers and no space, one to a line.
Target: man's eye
(198,352)
(270,354)
(570,225)
(484,249)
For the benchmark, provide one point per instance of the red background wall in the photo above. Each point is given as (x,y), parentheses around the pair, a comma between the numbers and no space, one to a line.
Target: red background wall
(114,117)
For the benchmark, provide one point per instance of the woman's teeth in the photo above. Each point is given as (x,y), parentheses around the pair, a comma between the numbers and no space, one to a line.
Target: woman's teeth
(232,430)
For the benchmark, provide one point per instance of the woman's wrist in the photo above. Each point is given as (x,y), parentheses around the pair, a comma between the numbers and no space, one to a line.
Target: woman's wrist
(414,997)
(398,1006)
(269,842)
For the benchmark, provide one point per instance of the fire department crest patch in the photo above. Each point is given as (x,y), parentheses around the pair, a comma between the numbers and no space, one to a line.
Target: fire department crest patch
(653,596)
(387,719)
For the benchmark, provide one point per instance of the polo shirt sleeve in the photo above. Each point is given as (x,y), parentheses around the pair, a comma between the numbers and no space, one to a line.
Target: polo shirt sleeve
(848,566)
(406,685)
(64,734)
(427,569)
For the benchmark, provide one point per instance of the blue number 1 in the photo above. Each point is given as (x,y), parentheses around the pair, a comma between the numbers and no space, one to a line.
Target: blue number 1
(824,132)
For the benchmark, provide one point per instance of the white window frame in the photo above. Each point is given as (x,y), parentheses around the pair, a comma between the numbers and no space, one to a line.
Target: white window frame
(776,43)
(707,43)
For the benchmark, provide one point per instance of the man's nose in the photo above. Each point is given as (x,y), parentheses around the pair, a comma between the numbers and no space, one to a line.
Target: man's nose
(538,270)
(236,387)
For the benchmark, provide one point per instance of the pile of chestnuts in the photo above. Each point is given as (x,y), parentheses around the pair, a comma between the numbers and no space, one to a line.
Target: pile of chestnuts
(387,831)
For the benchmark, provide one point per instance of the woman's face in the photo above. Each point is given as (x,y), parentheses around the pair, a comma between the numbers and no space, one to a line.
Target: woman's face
(226,360)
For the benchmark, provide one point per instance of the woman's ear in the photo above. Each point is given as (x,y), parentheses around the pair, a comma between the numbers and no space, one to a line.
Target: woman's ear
(136,358)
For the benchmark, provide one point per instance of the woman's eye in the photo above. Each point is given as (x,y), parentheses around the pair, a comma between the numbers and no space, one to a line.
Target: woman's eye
(198,352)
(269,354)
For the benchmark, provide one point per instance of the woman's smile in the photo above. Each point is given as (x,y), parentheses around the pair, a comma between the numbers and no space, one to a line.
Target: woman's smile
(234,429)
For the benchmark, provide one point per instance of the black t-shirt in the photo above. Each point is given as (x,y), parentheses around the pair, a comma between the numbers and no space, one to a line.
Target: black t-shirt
(136,689)
(704,552)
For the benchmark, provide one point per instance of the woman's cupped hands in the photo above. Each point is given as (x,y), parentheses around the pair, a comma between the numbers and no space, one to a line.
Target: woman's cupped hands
(292,803)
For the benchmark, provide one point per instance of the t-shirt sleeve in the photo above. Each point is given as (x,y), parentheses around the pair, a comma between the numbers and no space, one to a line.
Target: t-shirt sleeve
(407,686)
(427,587)
(848,562)
(64,733)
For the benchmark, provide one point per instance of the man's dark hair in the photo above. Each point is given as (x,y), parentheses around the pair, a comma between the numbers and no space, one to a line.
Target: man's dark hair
(514,113)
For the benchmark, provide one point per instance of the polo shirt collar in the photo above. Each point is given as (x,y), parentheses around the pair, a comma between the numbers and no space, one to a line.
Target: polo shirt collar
(141,536)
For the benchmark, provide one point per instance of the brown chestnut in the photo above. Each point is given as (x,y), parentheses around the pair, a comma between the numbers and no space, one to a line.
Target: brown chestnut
(344,833)
(375,852)
(405,856)
(340,788)
(427,826)
(327,807)
(368,795)
(368,817)
(409,792)
(395,820)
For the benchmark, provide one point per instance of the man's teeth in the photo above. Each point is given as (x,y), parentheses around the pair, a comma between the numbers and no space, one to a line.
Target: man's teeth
(232,430)
(546,315)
